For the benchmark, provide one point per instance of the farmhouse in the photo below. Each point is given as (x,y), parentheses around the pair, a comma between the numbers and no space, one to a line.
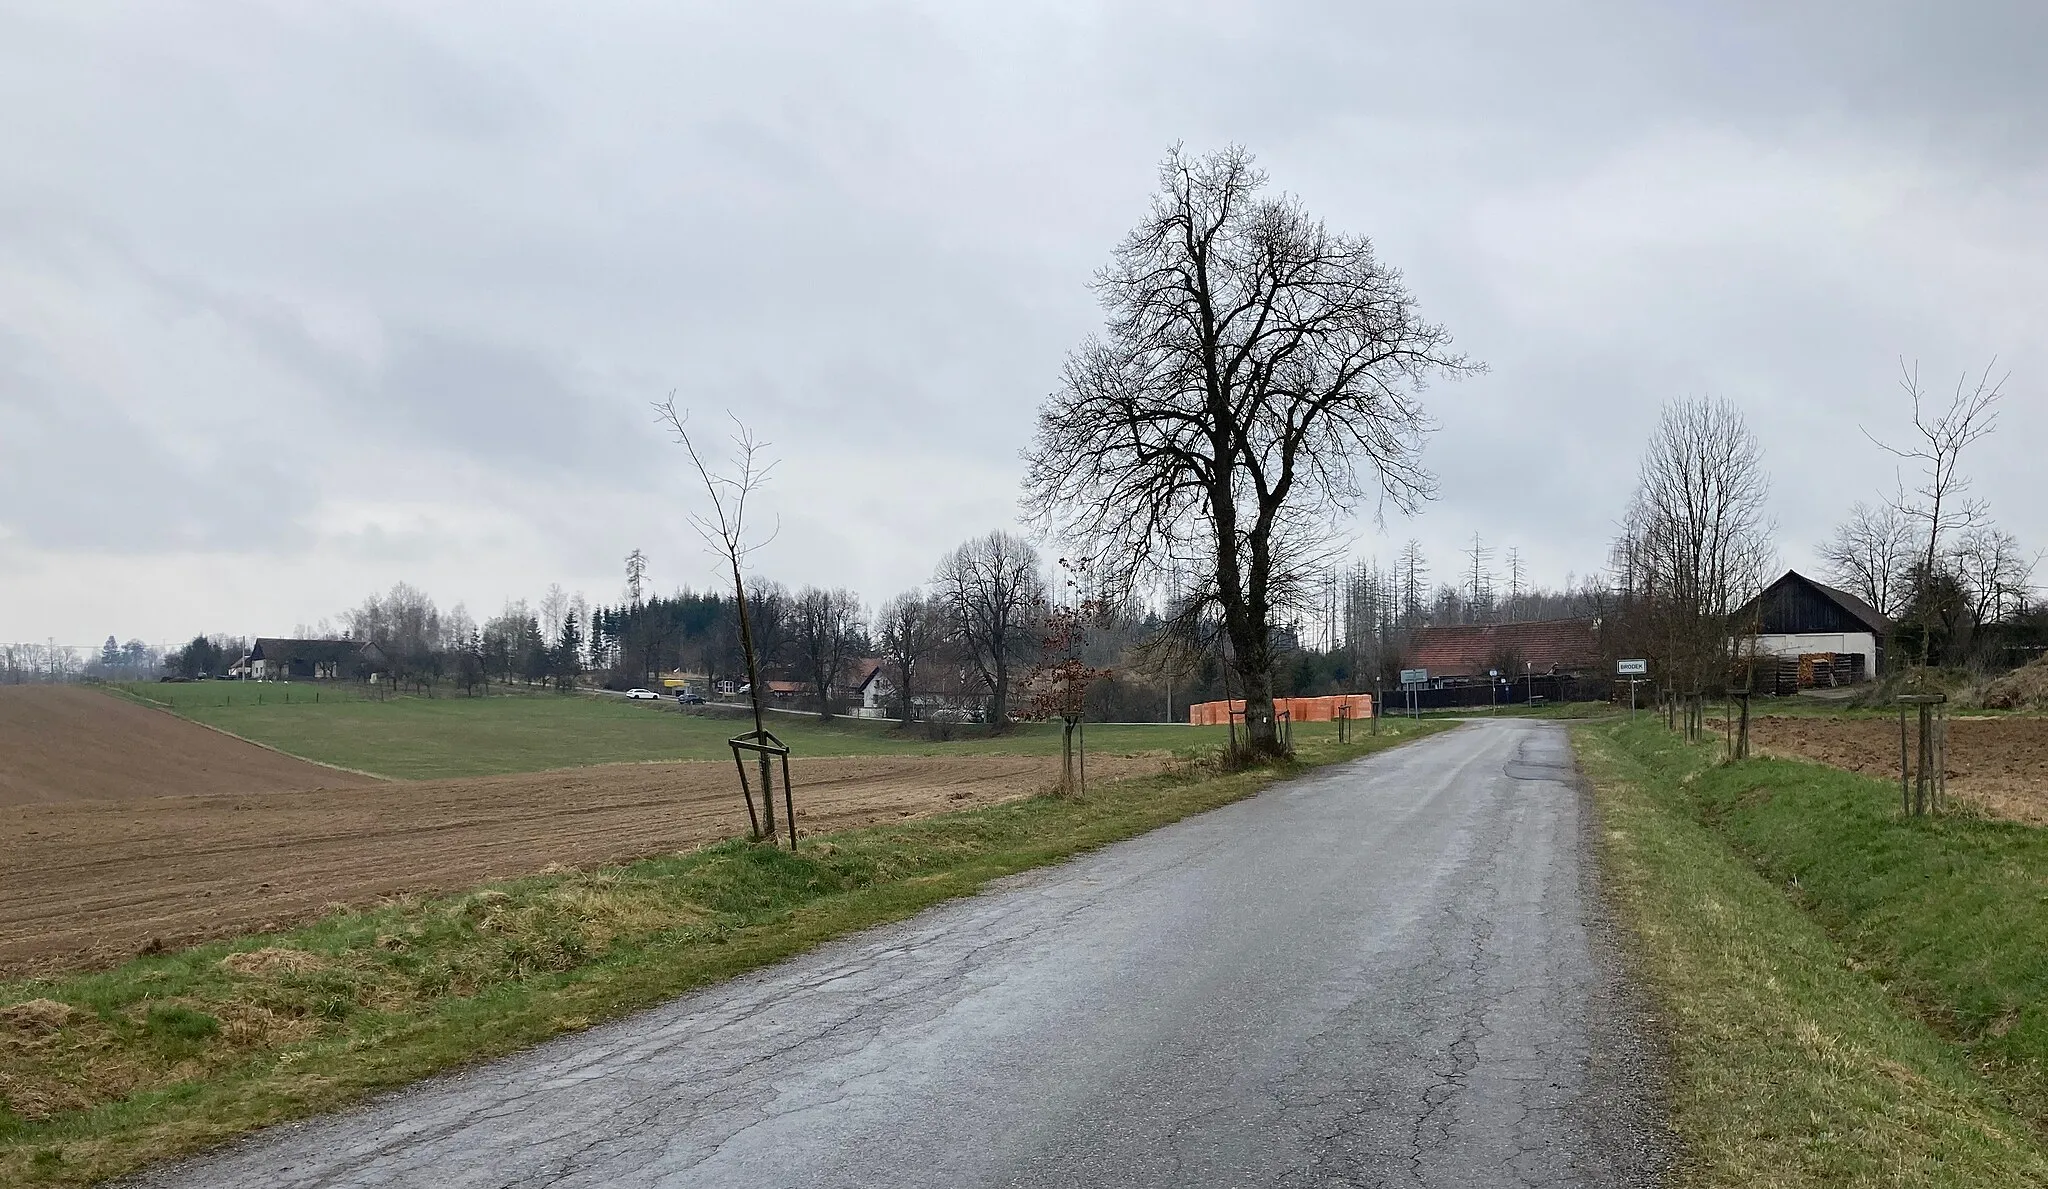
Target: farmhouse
(1800,620)
(275,659)
(870,689)
(941,693)
(1460,654)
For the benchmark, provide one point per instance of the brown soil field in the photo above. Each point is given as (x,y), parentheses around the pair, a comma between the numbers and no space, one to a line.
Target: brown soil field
(64,742)
(1997,764)
(89,883)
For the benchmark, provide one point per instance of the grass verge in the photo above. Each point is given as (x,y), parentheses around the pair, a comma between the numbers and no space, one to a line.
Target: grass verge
(101,1073)
(1795,1064)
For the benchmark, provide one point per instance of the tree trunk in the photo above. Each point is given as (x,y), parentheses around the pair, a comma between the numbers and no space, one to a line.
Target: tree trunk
(1067,756)
(999,699)
(1253,662)
(1245,619)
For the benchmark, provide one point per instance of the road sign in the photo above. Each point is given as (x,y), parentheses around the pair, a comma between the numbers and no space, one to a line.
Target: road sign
(1634,668)
(1414,676)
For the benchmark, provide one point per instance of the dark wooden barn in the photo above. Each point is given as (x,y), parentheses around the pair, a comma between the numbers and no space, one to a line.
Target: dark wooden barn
(1796,617)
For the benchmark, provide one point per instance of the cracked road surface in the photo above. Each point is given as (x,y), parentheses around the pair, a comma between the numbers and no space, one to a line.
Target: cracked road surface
(1388,973)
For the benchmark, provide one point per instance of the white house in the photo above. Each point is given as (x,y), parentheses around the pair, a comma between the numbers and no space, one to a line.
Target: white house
(876,692)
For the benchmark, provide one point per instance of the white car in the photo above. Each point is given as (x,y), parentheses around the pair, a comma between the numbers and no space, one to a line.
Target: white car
(642,695)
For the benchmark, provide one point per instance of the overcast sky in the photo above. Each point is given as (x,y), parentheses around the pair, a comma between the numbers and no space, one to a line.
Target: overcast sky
(300,300)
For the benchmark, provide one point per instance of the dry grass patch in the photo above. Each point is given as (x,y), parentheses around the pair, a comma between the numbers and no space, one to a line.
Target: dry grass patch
(36,1016)
(272,959)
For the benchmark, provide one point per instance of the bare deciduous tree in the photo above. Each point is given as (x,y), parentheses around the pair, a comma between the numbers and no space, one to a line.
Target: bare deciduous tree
(554,606)
(827,631)
(909,630)
(1696,543)
(1941,505)
(1871,555)
(1255,370)
(771,610)
(992,588)
(1995,576)
(724,530)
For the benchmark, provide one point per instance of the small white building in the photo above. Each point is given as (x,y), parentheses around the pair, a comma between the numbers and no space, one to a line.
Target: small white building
(876,693)
(1796,616)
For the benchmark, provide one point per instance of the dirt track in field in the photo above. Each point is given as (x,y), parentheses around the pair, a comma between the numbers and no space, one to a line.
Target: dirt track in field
(1998,764)
(89,883)
(63,743)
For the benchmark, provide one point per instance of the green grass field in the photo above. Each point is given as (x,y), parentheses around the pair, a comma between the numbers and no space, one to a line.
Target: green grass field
(415,738)
(1851,998)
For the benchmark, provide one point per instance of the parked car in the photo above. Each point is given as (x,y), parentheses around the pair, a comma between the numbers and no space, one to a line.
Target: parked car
(642,695)
(685,698)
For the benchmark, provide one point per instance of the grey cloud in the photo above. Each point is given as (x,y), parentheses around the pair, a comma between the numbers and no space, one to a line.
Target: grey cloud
(493,403)
(870,232)
(78,473)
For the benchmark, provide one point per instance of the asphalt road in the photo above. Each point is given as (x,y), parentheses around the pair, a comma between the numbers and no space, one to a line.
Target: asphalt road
(1392,972)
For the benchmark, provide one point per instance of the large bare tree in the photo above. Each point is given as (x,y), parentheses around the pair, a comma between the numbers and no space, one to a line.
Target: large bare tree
(1995,575)
(1697,540)
(826,627)
(909,630)
(1257,378)
(994,592)
(1871,555)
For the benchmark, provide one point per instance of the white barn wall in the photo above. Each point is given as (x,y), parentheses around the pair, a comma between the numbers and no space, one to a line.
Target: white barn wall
(1795,644)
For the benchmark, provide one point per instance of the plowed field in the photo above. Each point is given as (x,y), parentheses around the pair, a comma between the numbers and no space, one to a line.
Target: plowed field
(87,883)
(64,743)
(2000,764)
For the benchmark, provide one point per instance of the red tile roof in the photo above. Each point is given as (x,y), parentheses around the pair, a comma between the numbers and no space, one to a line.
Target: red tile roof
(1468,650)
